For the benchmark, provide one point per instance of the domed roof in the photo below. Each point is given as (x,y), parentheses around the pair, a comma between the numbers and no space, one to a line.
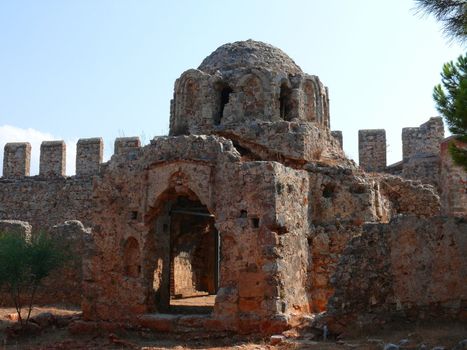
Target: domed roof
(248,54)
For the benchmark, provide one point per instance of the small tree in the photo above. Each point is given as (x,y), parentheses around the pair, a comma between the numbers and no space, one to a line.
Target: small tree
(24,264)
(451,101)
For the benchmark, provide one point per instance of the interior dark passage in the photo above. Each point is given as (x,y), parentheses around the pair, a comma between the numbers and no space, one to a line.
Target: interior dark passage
(285,102)
(224,96)
(194,257)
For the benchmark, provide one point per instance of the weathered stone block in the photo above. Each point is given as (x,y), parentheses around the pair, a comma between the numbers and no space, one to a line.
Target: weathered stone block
(17,159)
(124,145)
(337,134)
(372,149)
(52,159)
(89,154)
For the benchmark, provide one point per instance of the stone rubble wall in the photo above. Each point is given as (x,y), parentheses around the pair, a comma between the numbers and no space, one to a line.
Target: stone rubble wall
(63,286)
(411,268)
(45,202)
(325,246)
(422,168)
(291,205)
(453,181)
(16,226)
(285,141)
(408,197)
(340,201)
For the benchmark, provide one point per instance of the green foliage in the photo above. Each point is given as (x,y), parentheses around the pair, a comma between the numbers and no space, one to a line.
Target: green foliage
(13,266)
(25,263)
(459,155)
(451,101)
(452,13)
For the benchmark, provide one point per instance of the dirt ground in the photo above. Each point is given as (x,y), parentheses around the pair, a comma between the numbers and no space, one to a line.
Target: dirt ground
(411,335)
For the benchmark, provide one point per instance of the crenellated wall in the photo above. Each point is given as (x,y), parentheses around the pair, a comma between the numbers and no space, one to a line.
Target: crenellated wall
(51,197)
(420,152)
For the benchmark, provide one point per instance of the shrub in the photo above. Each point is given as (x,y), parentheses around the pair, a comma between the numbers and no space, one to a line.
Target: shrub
(24,263)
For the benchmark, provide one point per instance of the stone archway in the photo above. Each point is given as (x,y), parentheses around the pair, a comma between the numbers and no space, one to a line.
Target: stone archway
(186,254)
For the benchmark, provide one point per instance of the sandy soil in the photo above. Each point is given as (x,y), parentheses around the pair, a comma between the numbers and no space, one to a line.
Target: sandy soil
(202,300)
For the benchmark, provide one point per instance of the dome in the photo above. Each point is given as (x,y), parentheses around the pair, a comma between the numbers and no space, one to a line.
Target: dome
(248,54)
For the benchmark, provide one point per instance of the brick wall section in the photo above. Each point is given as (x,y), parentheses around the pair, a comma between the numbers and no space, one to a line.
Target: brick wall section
(89,154)
(17,159)
(52,159)
(372,149)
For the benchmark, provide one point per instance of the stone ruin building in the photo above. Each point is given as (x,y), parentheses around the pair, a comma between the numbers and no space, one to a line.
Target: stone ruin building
(250,205)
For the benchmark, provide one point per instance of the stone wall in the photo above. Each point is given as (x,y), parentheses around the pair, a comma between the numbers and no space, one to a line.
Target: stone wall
(51,197)
(45,202)
(337,134)
(411,268)
(372,149)
(453,181)
(420,151)
(284,141)
(17,227)
(423,140)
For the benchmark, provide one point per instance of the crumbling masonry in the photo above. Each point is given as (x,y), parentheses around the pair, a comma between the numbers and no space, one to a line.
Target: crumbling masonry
(251,199)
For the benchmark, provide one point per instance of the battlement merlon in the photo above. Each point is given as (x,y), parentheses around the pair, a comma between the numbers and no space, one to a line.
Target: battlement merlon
(337,134)
(423,140)
(127,146)
(52,161)
(17,159)
(89,156)
(372,149)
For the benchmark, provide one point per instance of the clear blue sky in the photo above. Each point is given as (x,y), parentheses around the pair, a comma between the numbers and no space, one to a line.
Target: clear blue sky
(85,68)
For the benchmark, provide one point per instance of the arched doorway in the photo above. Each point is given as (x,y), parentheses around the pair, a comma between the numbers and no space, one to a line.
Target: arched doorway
(186,277)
